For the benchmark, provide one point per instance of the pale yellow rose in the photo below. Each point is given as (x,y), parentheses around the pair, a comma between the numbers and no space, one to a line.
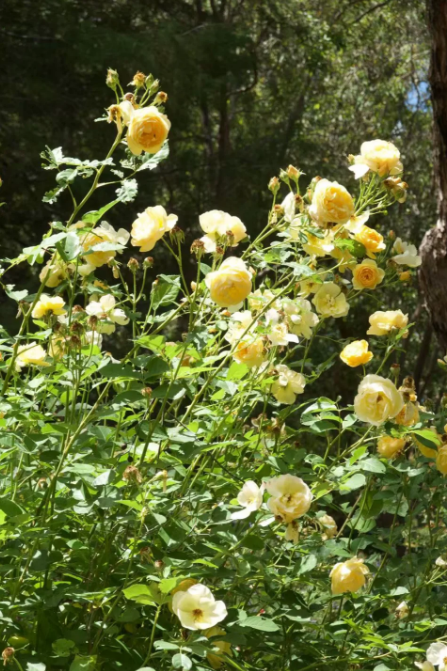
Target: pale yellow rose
(30,354)
(197,609)
(223,648)
(251,353)
(348,576)
(250,498)
(379,156)
(102,234)
(316,246)
(331,203)
(377,400)
(53,273)
(217,224)
(48,305)
(330,301)
(287,385)
(310,286)
(290,497)
(150,227)
(428,452)
(230,285)
(441,459)
(148,129)
(409,415)
(389,447)
(406,254)
(356,354)
(300,318)
(259,299)
(371,239)
(367,275)
(383,323)
(329,526)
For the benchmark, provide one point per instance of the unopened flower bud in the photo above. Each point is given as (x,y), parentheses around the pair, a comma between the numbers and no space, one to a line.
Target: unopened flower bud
(147,392)
(130,97)
(8,655)
(177,234)
(391,235)
(76,327)
(112,79)
(133,264)
(293,173)
(274,185)
(160,98)
(77,309)
(145,554)
(220,251)
(159,565)
(92,322)
(193,286)
(115,272)
(405,276)
(198,248)
(132,474)
(139,80)
(402,610)
(74,341)
(148,262)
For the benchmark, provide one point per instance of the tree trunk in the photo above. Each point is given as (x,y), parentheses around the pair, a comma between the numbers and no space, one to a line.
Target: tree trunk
(433,271)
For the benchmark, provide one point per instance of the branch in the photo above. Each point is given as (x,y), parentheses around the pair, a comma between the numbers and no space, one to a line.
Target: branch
(369,11)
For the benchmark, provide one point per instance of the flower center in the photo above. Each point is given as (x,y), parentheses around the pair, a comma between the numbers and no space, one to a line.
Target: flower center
(198,613)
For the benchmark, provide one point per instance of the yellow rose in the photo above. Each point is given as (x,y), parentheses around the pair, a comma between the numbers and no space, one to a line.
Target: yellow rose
(408,416)
(331,203)
(330,301)
(184,585)
(150,227)
(229,285)
(388,447)
(48,305)
(102,234)
(253,354)
(441,460)
(53,273)
(217,224)
(287,385)
(367,275)
(348,576)
(379,156)
(318,246)
(383,323)
(148,129)
(377,400)
(223,647)
(30,354)
(329,526)
(356,353)
(371,239)
(290,497)
(428,452)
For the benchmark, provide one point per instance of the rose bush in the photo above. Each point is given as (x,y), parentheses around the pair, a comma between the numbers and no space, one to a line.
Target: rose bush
(195,502)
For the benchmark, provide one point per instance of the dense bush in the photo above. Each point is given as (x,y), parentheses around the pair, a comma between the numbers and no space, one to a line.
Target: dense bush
(193,504)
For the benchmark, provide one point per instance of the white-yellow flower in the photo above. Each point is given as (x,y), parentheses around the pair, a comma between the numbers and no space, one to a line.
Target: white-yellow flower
(53,273)
(330,301)
(287,385)
(331,203)
(258,300)
(356,354)
(316,246)
(251,352)
(217,224)
(250,498)
(30,354)
(48,305)
(106,312)
(197,609)
(102,235)
(348,576)
(389,447)
(240,323)
(377,400)
(437,655)
(406,254)
(300,318)
(329,526)
(278,332)
(290,497)
(148,129)
(379,156)
(230,284)
(383,323)
(150,226)
(221,648)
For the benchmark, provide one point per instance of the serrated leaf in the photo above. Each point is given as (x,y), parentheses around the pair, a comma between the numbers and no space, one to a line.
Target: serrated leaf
(259,623)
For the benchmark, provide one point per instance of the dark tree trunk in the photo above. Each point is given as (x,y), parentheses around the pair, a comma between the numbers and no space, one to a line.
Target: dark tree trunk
(433,271)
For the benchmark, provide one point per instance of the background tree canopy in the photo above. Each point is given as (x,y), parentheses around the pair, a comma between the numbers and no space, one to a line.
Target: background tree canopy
(253,86)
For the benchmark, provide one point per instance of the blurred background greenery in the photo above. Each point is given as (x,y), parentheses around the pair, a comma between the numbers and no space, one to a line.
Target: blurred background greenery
(253,85)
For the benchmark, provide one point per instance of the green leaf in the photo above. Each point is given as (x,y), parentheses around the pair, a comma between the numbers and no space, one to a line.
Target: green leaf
(427,438)
(118,370)
(62,647)
(95,215)
(308,564)
(83,663)
(10,508)
(140,594)
(259,623)
(146,161)
(355,247)
(67,176)
(15,295)
(35,666)
(164,290)
(181,661)
(372,465)
(354,482)
(127,191)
